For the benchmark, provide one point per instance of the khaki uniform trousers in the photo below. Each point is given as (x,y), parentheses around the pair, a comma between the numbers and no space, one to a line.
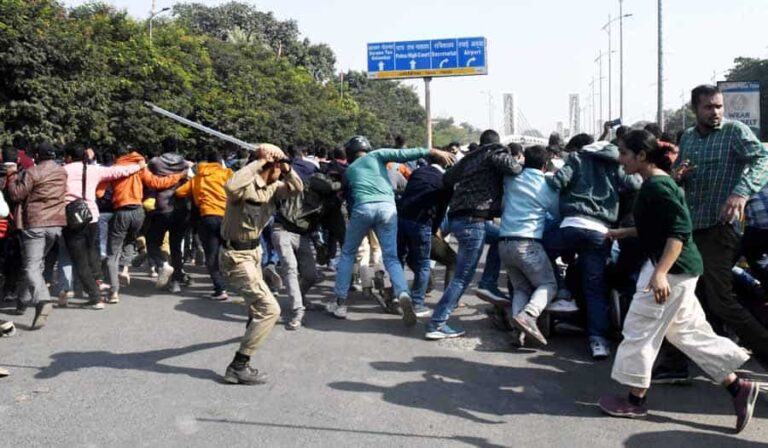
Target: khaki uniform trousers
(681,320)
(243,270)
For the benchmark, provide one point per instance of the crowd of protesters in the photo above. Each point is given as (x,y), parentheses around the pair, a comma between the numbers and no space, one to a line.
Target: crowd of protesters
(640,236)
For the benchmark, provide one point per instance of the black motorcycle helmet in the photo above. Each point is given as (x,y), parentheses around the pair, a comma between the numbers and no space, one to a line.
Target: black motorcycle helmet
(355,145)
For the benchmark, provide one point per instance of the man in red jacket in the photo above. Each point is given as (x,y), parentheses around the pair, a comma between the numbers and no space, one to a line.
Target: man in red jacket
(127,195)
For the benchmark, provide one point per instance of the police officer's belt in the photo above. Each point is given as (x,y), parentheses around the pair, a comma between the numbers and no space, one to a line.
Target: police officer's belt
(242,245)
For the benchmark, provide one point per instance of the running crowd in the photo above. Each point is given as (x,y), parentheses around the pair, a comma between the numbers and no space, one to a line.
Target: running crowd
(642,234)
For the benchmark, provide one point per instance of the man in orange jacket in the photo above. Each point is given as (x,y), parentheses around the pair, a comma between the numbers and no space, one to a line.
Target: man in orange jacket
(207,190)
(127,196)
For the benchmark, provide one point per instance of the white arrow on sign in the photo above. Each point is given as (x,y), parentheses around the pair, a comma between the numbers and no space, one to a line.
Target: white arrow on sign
(470,61)
(443,62)
(413,64)
(381,66)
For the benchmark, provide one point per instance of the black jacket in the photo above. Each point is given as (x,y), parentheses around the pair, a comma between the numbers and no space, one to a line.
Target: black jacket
(164,165)
(477,181)
(425,197)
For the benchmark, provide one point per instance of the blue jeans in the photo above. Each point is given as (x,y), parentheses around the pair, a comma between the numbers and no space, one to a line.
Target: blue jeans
(415,248)
(268,253)
(593,251)
(490,278)
(104,218)
(470,233)
(382,218)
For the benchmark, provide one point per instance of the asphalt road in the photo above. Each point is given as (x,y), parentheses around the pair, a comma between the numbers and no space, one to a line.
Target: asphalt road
(147,372)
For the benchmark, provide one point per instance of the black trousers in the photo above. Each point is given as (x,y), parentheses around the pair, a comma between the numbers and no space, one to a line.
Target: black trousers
(10,262)
(83,247)
(175,224)
(209,229)
(719,247)
(753,246)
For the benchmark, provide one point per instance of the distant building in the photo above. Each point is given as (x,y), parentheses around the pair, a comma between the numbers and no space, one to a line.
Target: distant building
(510,114)
(574,114)
(560,129)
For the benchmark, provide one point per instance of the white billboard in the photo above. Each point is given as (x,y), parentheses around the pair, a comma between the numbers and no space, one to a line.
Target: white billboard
(742,102)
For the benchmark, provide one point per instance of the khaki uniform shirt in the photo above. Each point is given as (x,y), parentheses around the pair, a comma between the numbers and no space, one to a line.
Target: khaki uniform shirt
(251,202)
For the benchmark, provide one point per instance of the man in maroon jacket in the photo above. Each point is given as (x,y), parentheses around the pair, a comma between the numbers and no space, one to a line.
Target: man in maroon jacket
(41,189)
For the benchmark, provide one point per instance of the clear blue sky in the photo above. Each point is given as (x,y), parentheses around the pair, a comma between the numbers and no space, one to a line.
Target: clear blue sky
(541,49)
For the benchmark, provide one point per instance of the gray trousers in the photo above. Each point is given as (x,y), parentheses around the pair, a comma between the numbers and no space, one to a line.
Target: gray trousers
(35,245)
(124,227)
(530,273)
(297,264)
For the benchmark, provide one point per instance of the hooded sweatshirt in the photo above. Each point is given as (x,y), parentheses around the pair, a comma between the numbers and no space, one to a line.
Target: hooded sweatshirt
(590,181)
(129,191)
(170,163)
(207,188)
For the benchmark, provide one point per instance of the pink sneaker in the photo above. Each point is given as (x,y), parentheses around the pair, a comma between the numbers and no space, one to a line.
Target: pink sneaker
(617,406)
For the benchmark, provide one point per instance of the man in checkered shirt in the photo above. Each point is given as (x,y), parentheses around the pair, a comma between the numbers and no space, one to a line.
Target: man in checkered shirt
(721,164)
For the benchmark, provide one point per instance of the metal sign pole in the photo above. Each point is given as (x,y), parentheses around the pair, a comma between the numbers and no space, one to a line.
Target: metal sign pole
(428,107)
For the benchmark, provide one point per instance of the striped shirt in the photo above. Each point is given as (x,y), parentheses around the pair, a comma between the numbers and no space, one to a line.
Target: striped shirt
(728,160)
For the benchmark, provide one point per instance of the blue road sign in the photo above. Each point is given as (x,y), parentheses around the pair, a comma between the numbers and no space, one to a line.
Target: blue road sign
(427,58)
(471,52)
(445,53)
(413,55)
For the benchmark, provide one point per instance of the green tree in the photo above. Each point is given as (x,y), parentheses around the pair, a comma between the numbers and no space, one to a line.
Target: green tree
(394,105)
(446,132)
(242,23)
(673,119)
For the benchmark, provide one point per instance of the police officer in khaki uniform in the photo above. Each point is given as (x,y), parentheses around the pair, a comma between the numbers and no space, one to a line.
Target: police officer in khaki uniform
(252,193)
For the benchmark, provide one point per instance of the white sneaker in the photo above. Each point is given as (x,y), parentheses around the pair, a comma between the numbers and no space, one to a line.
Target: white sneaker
(164,276)
(563,306)
(124,278)
(599,348)
(340,312)
(330,306)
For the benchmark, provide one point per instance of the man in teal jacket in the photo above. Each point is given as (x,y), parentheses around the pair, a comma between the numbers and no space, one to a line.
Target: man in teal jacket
(372,206)
(589,185)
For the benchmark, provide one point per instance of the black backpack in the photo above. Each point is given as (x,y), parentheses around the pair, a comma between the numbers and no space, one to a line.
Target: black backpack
(77,211)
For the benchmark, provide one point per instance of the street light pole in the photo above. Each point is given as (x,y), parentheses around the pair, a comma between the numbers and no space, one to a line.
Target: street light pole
(592,101)
(660,81)
(600,78)
(151,18)
(607,28)
(621,60)
(610,72)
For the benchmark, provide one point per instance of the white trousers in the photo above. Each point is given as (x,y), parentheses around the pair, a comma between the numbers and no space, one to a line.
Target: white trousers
(681,320)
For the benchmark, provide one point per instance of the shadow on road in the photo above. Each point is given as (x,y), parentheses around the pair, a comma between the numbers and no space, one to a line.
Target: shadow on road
(225,311)
(687,438)
(150,361)
(562,387)
(473,441)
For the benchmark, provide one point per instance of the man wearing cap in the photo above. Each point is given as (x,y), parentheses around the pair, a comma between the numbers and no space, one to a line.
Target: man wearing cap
(42,190)
(252,193)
